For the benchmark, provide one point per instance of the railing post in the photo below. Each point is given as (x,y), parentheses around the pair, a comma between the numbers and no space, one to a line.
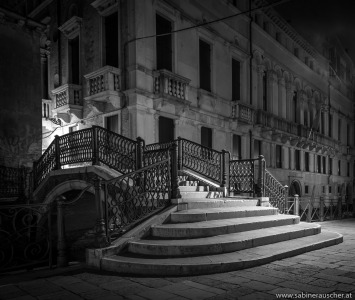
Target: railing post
(261,176)
(175,191)
(57,153)
(101,238)
(297,205)
(179,159)
(285,197)
(321,209)
(61,246)
(140,150)
(95,146)
(310,210)
(223,169)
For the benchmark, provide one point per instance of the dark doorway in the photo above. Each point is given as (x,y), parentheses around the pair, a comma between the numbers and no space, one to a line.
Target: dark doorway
(166,130)
(205,65)
(111,40)
(112,123)
(206,137)
(74,60)
(295,188)
(163,44)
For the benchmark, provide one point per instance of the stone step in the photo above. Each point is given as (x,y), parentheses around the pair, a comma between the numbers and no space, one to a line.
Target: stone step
(222,243)
(218,227)
(218,263)
(198,215)
(194,203)
(193,188)
(196,195)
(188,183)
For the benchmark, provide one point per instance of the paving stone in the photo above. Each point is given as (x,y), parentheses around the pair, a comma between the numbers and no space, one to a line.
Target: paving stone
(285,263)
(100,294)
(193,293)
(207,281)
(336,278)
(323,283)
(134,297)
(282,290)
(345,287)
(39,287)
(10,291)
(152,282)
(81,287)
(25,297)
(203,287)
(98,279)
(237,280)
(262,278)
(259,286)
(60,296)
(176,287)
(155,294)
(307,287)
(64,280)
(257,296)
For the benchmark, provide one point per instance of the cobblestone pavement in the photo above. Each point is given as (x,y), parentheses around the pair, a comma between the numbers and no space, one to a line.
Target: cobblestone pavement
(330,270)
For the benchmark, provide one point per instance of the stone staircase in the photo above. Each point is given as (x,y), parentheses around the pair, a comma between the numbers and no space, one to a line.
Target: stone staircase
(211,235)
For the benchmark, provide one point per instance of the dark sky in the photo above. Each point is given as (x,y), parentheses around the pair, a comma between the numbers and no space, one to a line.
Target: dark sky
(317,19)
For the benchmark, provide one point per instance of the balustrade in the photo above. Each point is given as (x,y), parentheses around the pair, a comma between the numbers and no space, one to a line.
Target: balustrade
(168,83)
(106,79)
(243,112)
(67,94)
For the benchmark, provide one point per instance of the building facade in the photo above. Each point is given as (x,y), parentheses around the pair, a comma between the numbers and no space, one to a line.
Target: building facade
(249,84)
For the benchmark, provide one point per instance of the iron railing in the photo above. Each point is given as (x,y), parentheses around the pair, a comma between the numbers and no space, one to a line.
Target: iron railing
(276,192)
(93,145)
(25,235)
(242,176)
(13,182)
(319,209)
(132,197)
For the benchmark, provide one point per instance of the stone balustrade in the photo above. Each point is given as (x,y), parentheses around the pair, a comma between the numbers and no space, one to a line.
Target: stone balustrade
(243,112)
(67,94)
(102,80)
(170,84)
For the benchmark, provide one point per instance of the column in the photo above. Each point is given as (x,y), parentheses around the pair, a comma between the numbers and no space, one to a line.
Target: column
(260,86)
(255,79)
(289,98)
(282,98)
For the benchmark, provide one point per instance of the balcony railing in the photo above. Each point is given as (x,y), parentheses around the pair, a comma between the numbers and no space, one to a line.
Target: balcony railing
(170,84)
(106,79)
(67,94)
(243,112)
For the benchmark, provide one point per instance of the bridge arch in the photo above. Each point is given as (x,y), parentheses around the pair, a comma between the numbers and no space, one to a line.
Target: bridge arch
(66,186)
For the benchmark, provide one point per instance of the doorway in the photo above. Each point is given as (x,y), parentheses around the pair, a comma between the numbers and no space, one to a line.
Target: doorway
(295,188)
(166,130)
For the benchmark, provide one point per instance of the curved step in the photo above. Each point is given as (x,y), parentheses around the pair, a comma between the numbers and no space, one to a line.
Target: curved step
(195,203)
(226,262)
(218,227)
(198,215)
(223,243)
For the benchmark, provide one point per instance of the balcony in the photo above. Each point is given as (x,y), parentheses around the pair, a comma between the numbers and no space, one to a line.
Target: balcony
(171,86)
(67,101)
(103,85)
(243,112)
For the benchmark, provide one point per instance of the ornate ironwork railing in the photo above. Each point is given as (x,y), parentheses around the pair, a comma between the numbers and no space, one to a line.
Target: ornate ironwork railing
(242,176)
(159,146)
(12,182)
(203,160)
(154,156)
(95,144)
(134,196)
(276,192)
(25,236)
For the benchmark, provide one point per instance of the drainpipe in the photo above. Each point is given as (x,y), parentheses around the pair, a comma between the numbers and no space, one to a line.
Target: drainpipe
(250,75)
(59,45)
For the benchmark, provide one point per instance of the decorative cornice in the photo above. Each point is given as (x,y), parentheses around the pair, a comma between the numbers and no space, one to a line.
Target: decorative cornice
(71,28)
(105,7)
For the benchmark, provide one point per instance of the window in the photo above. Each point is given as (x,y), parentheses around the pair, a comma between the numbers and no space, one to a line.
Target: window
(324,165)
(339,167)
(205,66)
(348,170)
(44,76)
(166,130)
(111,40)
(265,91)
(235,80)
(339,130)
(111,123)
(330,166)
(74,59)
(298,159)
(330,125)
(237,147)
(330,189)
(323,189)
(306,189)
(294,103)
(306,161)
(163,44)
(319,164)
(305,118)
(257,148)
(278,156)
(206,140)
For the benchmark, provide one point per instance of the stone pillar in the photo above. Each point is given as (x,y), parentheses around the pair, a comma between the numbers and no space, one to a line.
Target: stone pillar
(255,78)
(260,70)
(272,91)
(300,107)
(289,98)
(156,128)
